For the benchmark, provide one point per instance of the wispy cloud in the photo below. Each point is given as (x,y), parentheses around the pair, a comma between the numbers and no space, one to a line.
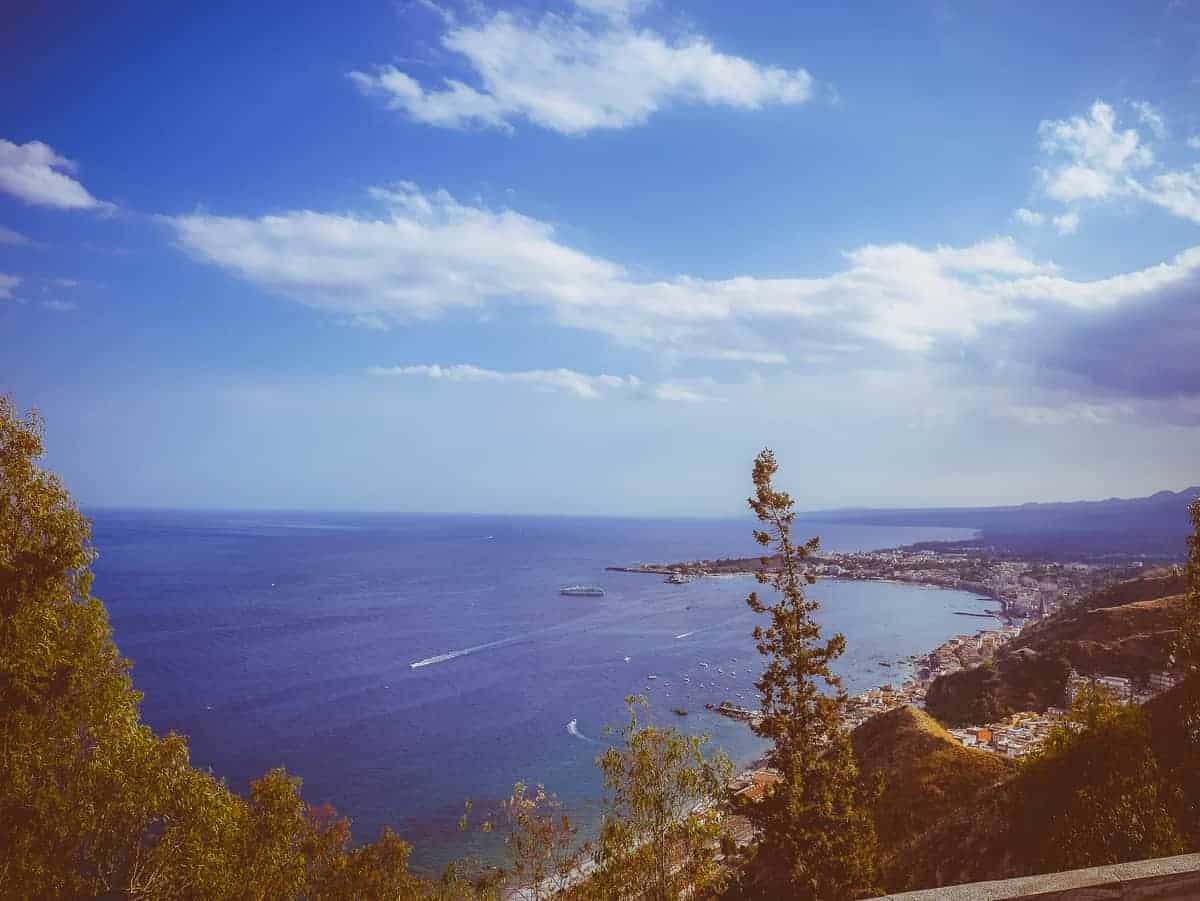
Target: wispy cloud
(577,73)
(60,306)
(432,254)
(1093,159)
(7,283)
(1067,223)
(13,238)
(1151,117)
(36,175)
(566,381)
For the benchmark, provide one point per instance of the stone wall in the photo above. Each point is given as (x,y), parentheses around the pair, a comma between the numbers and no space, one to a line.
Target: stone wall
(1163,879)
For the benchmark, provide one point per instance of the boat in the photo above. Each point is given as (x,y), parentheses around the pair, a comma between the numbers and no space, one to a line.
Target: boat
(584,591)
(677,579)
(679,711)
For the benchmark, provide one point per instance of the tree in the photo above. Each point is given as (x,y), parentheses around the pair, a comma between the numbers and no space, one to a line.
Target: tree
(1188,647)
(542,844)
(816,833)
(92,802)
(1093,793)
(662,831)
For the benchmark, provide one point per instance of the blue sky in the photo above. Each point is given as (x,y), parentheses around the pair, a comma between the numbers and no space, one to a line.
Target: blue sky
(589,257)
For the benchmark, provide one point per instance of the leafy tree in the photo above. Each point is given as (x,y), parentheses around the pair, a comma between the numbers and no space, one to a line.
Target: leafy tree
(1188,648)
(662,831)
(543,848)
(92,802)
(1093,794)
(816,833)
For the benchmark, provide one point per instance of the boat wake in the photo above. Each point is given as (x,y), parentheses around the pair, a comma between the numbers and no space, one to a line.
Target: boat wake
(685,634)
(573,729)
(442,658)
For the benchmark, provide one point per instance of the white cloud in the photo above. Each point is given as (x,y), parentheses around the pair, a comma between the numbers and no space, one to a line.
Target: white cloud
(35,174)
(428,255)
(678,393)
(1067,223)
(613,9)
(1097,156)
(60,306)
(567,381)
(574,74)
(1029,217)
(1096,160)
(1072,412)
(763,357)
(1149,116)
(1105,293)
(8,236)
(7,283)
(1177,192)
(1194,142)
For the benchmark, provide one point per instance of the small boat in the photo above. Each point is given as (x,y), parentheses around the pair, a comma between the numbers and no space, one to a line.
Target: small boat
(705,665)
(626,659)
(679,711)
(676,579)
(584,591)
(652,677)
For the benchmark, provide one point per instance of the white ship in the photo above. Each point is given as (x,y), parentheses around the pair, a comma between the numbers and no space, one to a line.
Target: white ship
(586,591)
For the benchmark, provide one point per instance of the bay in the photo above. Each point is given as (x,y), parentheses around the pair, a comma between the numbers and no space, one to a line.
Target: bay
(401,664)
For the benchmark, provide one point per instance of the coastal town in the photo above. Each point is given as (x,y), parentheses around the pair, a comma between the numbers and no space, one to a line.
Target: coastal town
(1014,736)
(1026,590)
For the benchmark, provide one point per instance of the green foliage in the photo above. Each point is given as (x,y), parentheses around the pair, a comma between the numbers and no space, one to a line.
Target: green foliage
(1093,795)
(661,832)
(542,844)
(1175,730)
(992,691)
(817,836)
(928,776)
(1188,647)
(91,801)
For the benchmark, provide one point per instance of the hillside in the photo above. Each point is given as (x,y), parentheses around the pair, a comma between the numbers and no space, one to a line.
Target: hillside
(951,815)
(1124,630)
(927,775)
(1153,527)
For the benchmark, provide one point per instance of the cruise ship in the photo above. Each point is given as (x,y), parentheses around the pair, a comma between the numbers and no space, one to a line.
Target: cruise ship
(586,591)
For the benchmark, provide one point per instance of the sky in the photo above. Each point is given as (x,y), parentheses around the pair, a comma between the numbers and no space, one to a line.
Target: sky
(588,257)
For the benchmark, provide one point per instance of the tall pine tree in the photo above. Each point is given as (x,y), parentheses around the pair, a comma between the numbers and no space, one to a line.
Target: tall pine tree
(816,831)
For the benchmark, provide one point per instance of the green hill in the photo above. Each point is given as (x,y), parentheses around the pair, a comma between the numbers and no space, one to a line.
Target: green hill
(1126,630)
(927,776)
(1126,790)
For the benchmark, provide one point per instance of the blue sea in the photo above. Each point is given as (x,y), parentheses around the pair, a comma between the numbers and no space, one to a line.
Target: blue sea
(402,664)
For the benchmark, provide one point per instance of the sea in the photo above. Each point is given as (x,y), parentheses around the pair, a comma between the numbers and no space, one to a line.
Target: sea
(403,665)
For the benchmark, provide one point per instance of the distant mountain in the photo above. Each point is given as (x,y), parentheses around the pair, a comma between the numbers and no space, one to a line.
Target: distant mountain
(1153,527)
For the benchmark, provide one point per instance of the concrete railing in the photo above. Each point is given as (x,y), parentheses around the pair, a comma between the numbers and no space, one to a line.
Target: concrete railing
(1163,879)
